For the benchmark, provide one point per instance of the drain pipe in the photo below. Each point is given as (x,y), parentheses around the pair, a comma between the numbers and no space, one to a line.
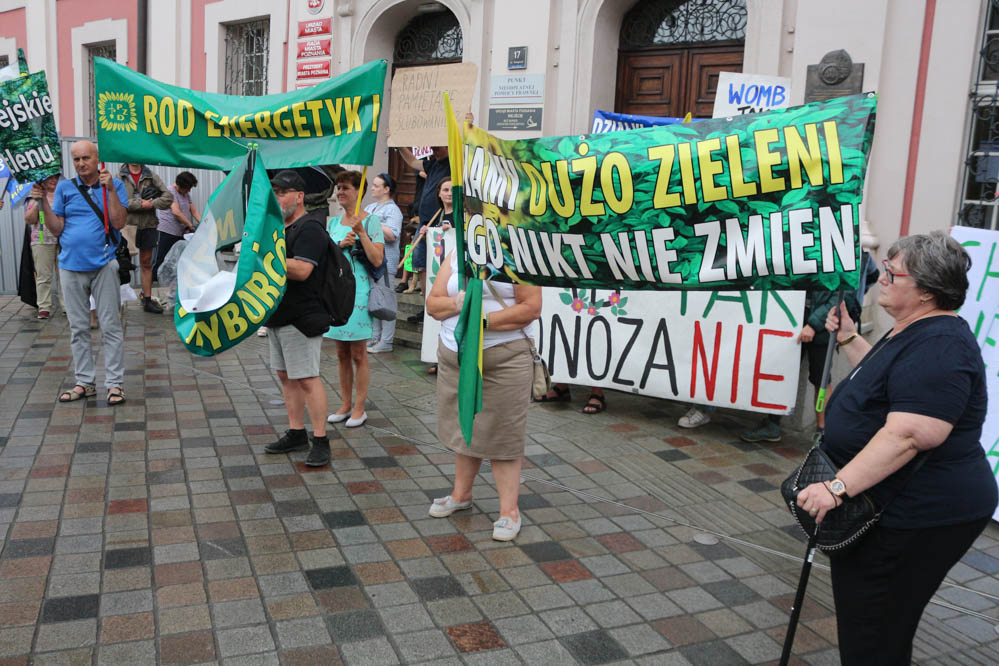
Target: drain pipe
(141,31)
(917,116)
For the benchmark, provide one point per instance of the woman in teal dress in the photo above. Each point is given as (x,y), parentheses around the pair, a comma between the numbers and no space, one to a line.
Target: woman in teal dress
(349,230)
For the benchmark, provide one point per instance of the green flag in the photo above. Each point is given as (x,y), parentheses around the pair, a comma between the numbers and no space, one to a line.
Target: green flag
(468,332)
(142,120)
(218,308)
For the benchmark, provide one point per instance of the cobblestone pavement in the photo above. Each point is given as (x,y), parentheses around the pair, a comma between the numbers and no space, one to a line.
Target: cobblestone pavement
(159,531)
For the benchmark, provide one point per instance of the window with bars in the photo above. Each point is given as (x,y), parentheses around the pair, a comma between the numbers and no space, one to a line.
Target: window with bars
(980,186)
(429,38)
(247,47)
(670,22)
(4,61)
(107,50)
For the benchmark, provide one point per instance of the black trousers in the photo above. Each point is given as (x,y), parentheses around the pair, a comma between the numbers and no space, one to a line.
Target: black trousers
(882,586)
(166,242)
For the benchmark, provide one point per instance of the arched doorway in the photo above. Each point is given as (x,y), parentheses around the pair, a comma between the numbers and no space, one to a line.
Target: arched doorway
(671,52)
(429,39)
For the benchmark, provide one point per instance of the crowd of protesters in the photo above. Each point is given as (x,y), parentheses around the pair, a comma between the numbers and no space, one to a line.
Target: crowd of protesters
(911,423)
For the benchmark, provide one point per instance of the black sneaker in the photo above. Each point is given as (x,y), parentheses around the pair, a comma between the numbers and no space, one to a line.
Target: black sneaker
(401,287)
(292,440)
(149,305)
(415,318)
(319,454)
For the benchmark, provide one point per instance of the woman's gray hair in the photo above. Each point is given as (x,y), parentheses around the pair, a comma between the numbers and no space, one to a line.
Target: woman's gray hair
(937,264)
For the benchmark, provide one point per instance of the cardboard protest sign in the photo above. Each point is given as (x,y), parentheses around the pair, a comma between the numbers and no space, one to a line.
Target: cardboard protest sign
(216,309)
(767,201)
(29,143)
(739,94)
(608,121)
(416,117)
(981,311)
(142,120)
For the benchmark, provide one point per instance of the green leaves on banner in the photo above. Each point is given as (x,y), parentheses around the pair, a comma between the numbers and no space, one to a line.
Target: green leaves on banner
(142,120)
(29,143)
(219,308)
(765,201)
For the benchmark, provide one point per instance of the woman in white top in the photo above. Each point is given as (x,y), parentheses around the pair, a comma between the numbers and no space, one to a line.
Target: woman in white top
(508,312)
(382,188)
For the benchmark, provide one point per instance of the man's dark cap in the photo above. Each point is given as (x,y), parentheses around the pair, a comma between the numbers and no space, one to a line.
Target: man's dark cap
(288,180)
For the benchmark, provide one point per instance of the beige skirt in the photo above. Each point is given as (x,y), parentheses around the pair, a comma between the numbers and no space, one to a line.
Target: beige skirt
(501,426)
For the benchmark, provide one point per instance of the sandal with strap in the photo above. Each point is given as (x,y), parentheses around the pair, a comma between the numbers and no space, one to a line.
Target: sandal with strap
(594,404)
(115,396)
(561,395)
(73,394)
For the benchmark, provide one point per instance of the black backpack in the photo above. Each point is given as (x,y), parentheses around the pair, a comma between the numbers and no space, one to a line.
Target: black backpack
(337,288)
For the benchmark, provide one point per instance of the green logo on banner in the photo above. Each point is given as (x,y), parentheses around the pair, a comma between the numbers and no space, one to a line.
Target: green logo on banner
(116,112)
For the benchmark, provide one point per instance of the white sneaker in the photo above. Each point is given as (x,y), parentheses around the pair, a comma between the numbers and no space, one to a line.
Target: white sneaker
(262,332)
(443,507)
(694,418)
(505,529)
(379,348)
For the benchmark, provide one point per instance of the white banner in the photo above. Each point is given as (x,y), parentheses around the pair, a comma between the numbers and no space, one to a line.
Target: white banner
(739,94)
(435,255)
(730,349)
(981,311)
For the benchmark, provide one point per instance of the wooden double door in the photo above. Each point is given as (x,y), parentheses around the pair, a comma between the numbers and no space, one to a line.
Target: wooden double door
(671,81)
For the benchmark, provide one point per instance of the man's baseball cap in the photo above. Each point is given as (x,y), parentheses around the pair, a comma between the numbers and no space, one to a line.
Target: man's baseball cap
(288,180)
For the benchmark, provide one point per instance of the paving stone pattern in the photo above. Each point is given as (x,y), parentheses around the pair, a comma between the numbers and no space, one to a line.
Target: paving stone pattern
(160,532)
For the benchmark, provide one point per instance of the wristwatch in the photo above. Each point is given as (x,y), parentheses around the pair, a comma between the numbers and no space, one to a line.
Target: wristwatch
(838,488)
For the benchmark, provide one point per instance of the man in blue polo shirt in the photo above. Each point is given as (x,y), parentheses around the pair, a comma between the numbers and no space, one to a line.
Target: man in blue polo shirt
(87,267)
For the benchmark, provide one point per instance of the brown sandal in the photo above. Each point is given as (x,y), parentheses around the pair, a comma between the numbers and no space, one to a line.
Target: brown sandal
(73,395)
(115,392)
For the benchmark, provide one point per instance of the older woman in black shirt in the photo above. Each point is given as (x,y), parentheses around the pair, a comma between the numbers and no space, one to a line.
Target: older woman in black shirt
(920,390)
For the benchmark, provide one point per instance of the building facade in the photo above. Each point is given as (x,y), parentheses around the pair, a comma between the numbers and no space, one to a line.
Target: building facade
(931,166)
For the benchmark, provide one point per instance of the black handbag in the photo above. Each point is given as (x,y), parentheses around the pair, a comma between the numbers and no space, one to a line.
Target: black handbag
(375,272)
(843,527)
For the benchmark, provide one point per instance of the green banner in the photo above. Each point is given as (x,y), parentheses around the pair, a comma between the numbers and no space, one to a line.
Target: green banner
(766,201)
(142,120)
(29,143)
(217,308)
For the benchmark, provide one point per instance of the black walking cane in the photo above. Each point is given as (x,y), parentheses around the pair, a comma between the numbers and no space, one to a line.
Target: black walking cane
(799,599)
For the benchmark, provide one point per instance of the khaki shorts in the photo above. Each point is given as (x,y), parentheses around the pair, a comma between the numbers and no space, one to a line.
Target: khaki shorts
(293,353)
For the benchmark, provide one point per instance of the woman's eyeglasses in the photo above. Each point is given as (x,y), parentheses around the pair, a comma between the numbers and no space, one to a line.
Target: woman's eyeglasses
(890,273)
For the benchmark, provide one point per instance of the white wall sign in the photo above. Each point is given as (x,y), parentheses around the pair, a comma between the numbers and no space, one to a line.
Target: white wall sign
(981,311)
(731,349)
(517,88)
(739,94)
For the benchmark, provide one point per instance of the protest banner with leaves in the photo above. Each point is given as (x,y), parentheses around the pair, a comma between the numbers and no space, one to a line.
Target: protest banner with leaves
(767,201)
(29,143)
